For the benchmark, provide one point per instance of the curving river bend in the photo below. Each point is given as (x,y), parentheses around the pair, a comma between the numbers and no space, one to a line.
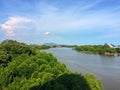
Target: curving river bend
(107,69)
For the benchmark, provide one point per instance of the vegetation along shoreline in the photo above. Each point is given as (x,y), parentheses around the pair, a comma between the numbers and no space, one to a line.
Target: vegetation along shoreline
(99,49)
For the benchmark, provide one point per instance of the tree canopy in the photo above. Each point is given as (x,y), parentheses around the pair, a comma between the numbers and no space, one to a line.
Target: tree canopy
(23,67)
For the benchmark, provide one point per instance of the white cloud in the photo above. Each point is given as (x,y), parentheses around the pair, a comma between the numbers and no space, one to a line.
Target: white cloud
(12,23)
(85,17)
(47,33)
(9,29)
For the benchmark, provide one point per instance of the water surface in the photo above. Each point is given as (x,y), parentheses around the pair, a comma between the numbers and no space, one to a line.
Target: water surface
(105,68)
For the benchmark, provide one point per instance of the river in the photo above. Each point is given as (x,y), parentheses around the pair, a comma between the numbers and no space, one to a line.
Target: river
(107,69)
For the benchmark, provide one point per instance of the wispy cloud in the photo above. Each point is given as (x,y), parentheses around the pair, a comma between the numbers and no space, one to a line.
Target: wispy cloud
(54,18)
(99,18)
(12,23)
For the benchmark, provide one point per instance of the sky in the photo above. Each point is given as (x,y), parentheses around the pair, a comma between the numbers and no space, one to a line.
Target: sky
(60,21)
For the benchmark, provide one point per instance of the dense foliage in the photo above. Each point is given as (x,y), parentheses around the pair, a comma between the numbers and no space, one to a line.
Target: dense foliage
(23,67)
(9,49)
(98,49)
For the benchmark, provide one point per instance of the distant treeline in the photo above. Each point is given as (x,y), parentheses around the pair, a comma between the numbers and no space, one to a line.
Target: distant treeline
(71,46)
(41,46)
(23,67)
(99,49)
(52,46)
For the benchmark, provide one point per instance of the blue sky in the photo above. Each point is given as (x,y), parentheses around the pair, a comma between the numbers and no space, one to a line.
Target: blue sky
(60,21)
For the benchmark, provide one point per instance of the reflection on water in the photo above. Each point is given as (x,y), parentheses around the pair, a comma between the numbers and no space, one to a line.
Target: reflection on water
(104,67)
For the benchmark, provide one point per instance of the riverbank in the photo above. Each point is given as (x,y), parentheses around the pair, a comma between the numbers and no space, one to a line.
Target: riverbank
(98,49)
(107,69)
